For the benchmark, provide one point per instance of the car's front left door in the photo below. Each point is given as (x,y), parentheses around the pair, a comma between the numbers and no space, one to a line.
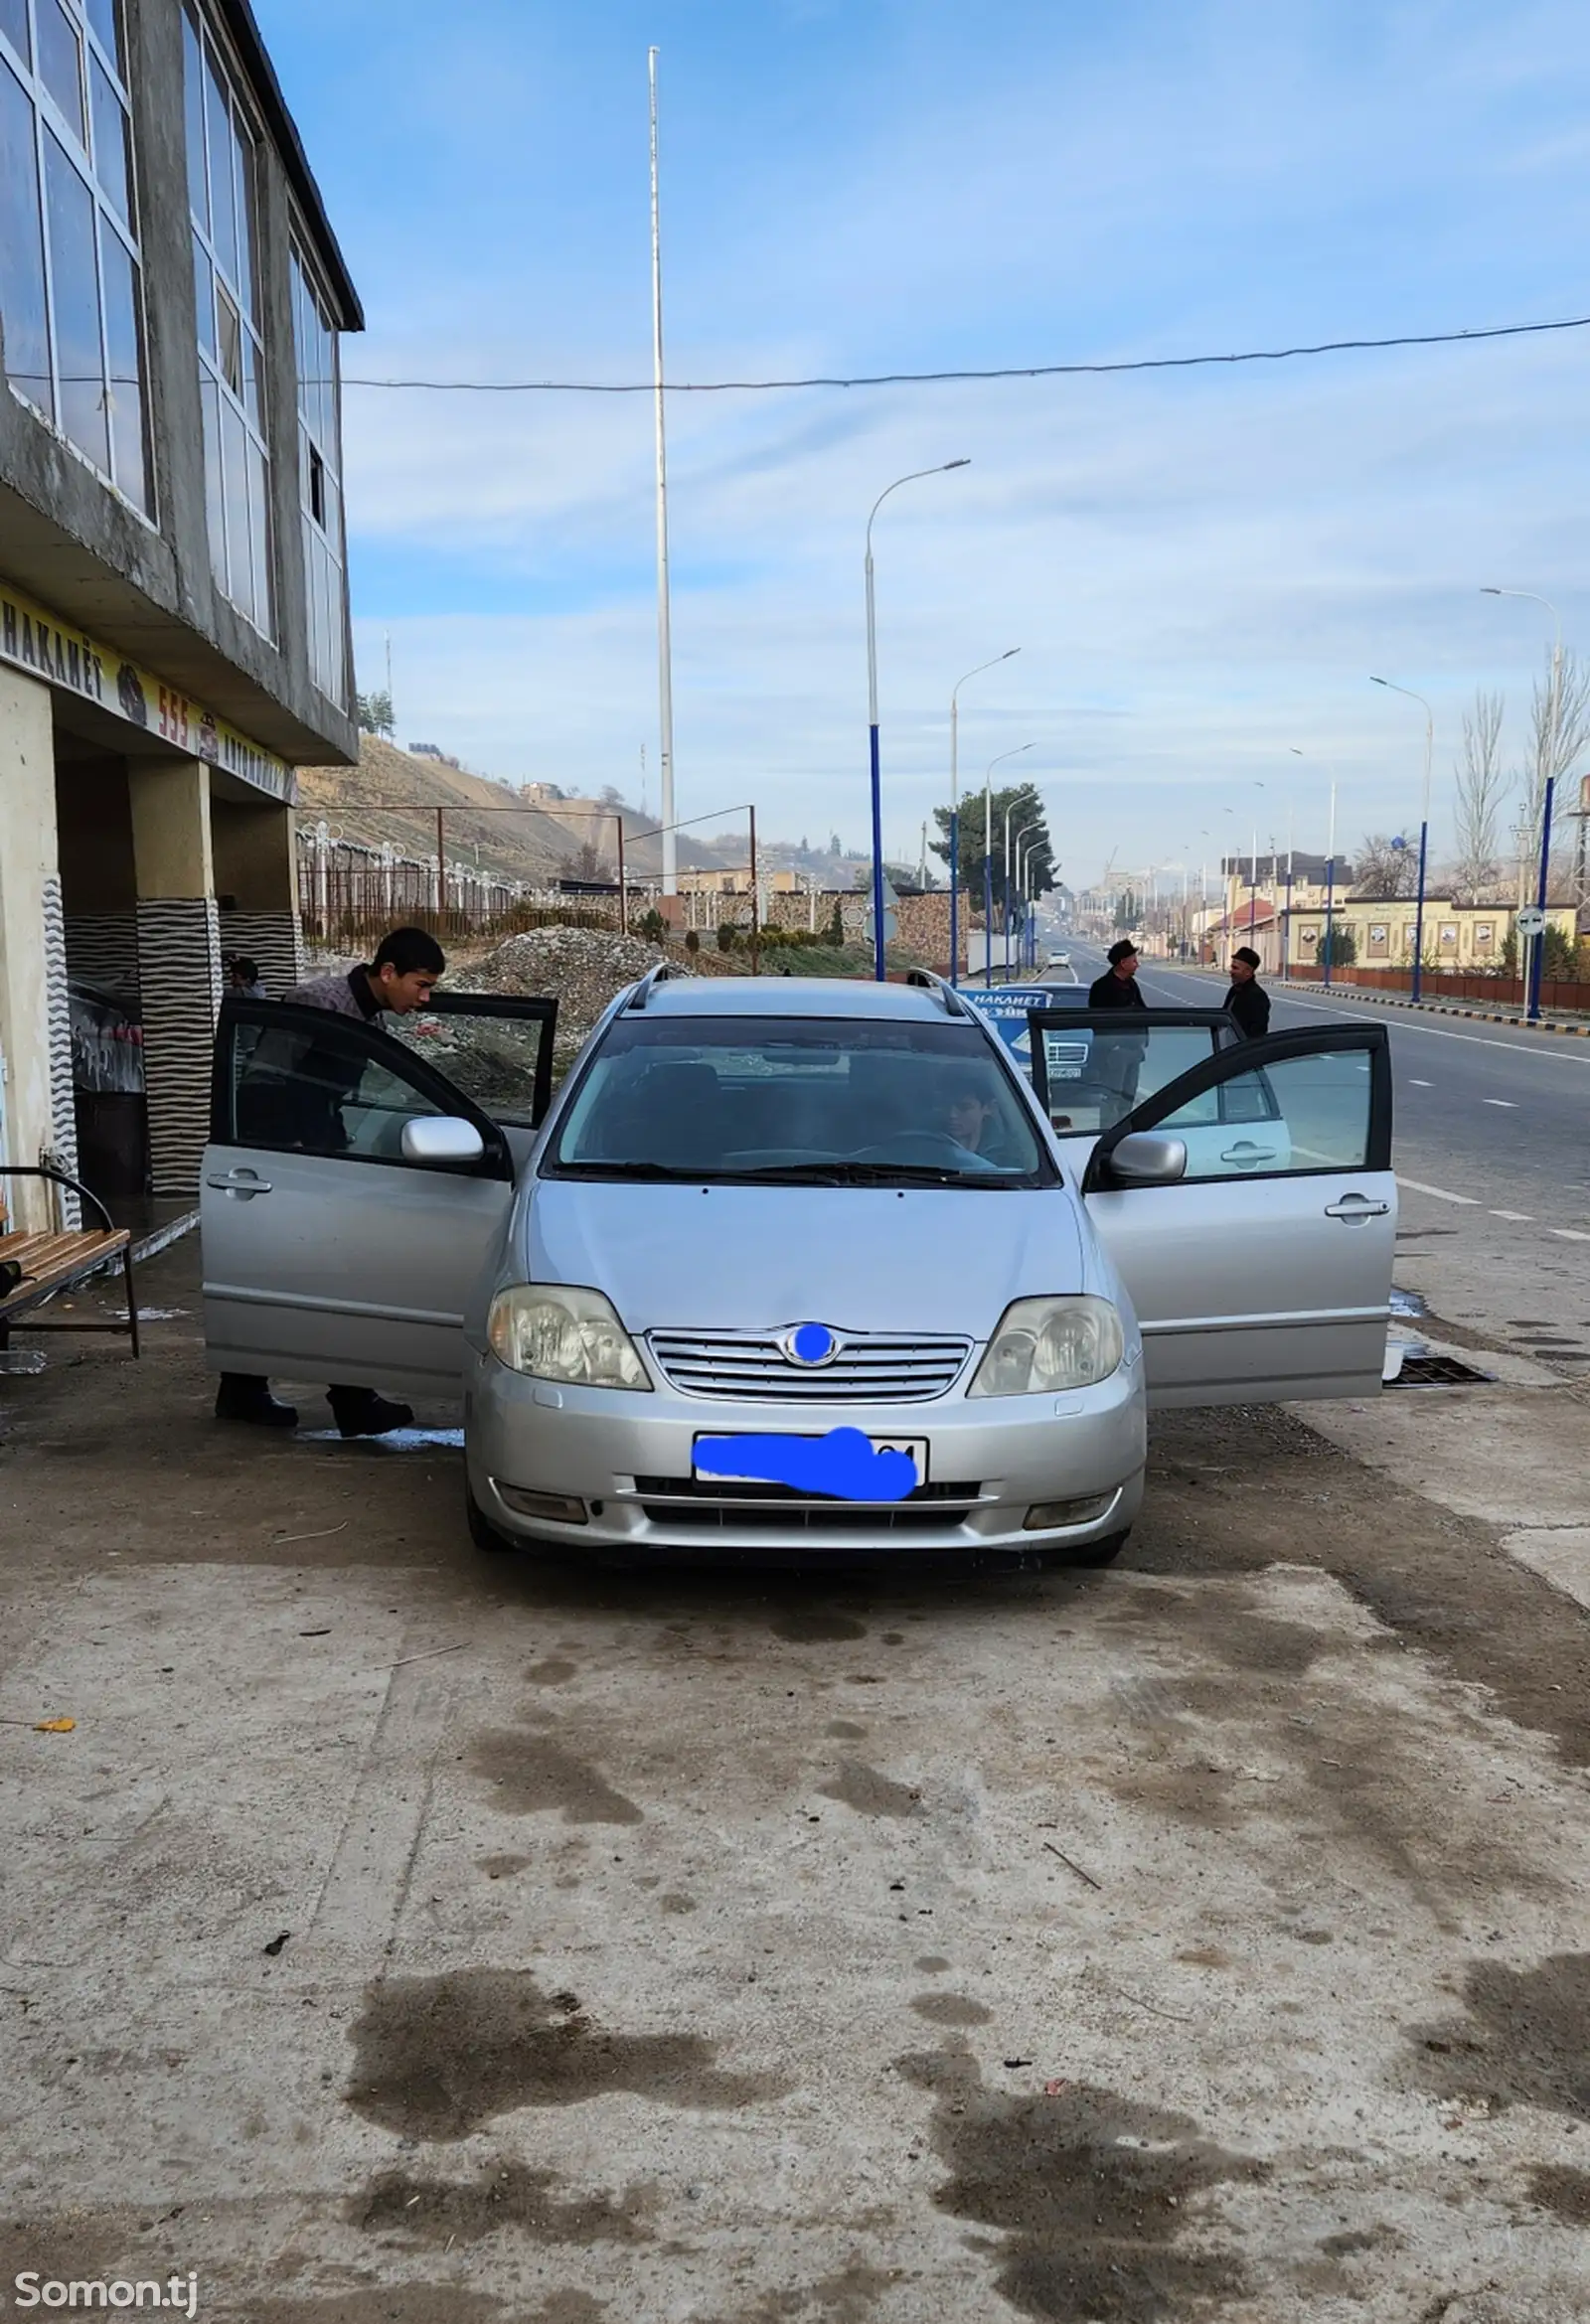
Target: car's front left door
(328,1254)
(1263,1272)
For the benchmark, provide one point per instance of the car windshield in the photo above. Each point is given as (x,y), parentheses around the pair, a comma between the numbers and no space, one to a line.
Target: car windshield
(798,1101)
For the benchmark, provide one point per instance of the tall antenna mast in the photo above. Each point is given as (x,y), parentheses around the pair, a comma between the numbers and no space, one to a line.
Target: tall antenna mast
(665,646)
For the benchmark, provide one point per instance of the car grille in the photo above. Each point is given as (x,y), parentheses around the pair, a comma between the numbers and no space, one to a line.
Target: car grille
(699,1505)
(871,1368)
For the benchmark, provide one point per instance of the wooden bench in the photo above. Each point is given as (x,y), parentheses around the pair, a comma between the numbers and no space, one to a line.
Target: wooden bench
(54,1262)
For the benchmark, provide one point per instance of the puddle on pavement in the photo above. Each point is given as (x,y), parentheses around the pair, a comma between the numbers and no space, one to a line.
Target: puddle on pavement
(1091,2191)
(394,1441)
(502,2195)
(1524,2041)
(440,2057)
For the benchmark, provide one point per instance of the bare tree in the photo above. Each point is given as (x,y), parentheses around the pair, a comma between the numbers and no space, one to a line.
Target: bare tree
(1383,870)
(1482,788)
(1572,743)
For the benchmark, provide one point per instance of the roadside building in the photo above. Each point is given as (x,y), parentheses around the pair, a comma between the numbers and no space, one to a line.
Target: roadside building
(174,633)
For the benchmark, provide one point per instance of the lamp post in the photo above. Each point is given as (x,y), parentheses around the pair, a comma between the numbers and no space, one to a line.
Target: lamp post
(988,855)
(872,709)
(955,806)
(1026,832)
(1330,883)
(1025,827)
(1530,966)
(1415,981)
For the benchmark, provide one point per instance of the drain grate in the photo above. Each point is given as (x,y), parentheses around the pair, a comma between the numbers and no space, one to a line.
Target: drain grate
(1437,1371)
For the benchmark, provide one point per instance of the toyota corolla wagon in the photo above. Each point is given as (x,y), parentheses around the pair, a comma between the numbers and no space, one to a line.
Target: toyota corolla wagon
(801,1266)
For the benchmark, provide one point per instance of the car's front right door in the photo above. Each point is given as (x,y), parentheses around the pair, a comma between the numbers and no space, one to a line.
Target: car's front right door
(328,1253)
(1262,1273)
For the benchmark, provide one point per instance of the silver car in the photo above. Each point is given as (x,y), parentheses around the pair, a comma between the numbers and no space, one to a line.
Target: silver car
(801,1266)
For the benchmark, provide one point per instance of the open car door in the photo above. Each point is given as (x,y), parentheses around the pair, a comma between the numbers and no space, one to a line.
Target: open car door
(1250,1208)
(1092,1066)
(343,1229)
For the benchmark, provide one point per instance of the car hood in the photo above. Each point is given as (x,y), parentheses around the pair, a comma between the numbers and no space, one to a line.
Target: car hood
(759,1258)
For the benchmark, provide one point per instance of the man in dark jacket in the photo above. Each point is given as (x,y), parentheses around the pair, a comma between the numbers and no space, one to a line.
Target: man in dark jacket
(1247,999)
(312,1083)
(1117,988)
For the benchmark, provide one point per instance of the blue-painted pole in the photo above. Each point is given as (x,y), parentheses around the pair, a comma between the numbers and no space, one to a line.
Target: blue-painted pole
(1418,917)
(877,858)
(1537,955)
(955,882)
(1329,905)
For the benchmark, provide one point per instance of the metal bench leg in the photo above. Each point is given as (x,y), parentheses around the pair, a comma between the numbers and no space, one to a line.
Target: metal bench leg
(132,1301)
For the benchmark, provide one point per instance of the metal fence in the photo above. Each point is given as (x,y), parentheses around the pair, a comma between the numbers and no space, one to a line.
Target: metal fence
(348,906)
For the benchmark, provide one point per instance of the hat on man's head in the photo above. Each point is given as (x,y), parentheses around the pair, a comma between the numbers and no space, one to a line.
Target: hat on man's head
(1247,956)
(1125,950)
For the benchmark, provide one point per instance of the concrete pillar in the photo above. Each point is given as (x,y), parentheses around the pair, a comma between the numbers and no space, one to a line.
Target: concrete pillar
(256,886)
(179,961)
(36,1101)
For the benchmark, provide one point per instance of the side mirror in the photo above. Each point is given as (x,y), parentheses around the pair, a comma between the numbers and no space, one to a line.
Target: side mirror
(1146,1158)
(443,1138)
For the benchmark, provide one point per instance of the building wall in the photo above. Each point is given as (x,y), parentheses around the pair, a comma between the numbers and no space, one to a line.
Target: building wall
(36,1115)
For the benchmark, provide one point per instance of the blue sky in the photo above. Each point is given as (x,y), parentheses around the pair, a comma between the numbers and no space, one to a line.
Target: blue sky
(1202,569)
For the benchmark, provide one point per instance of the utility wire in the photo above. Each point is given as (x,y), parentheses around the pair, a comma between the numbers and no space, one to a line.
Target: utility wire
(1038,371)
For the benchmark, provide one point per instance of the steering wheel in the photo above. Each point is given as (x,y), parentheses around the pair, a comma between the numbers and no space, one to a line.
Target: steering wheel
(907,1145)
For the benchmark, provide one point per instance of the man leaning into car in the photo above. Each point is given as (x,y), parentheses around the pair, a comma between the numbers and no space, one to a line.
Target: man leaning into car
(400,979)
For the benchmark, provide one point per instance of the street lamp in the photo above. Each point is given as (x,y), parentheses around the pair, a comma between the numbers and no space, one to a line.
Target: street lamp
(872,709)
(1415,981)
(1026,832)
(955,799)
(988,855)
(1536,944)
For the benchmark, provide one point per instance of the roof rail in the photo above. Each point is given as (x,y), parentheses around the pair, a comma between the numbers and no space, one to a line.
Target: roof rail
(954,1006)
(643,991)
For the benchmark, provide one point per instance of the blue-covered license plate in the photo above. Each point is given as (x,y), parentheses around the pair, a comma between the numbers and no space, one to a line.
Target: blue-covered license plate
(915,1447)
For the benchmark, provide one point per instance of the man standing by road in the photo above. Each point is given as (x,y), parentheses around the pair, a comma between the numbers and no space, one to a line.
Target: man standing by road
(1117,988)
(1247,999)
(400,978)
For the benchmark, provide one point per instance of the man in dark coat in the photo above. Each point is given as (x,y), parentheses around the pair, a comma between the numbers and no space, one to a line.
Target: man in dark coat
(1117,988)
(1247,999)
(303,1088)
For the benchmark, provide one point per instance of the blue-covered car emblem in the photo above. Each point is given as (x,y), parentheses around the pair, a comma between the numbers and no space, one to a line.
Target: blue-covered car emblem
(810,1345)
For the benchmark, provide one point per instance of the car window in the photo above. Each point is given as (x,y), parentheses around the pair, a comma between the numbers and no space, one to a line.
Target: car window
(492,1059)
(831,1101)
(1308,1113)
(1097,1074)
(321,1091)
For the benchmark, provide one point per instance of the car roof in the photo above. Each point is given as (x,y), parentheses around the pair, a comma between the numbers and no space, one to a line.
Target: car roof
(793,996)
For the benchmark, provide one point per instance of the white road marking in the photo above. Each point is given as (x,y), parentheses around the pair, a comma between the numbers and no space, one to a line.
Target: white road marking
(1569,1234)
(1422,1084)
(1518,1217)
(1512,1103)
(1440,1193)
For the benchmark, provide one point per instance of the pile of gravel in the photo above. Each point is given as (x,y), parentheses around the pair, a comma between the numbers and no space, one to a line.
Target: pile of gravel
(582,968)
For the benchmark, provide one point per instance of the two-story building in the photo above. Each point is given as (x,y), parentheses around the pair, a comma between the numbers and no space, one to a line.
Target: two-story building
(174,633)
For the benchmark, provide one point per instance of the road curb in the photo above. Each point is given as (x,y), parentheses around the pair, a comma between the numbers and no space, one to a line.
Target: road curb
(1541,1024)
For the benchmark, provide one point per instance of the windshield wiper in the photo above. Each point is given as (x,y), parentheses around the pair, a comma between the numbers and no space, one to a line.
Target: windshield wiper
(855,1174)
(662,1172)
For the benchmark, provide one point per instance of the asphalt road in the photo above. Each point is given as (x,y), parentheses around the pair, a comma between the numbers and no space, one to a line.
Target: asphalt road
(1493,1153)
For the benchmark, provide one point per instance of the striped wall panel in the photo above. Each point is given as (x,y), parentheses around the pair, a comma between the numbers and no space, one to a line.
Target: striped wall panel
(62,1103)
(270,939)
(103,949)
(179,969)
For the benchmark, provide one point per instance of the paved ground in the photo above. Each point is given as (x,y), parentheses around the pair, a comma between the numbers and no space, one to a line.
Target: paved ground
(403,1938)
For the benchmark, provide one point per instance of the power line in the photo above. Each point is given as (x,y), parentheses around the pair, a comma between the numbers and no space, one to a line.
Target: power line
(1038,371)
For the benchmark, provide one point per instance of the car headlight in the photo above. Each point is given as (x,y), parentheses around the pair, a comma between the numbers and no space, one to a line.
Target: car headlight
(1045,1344)
(558,1333)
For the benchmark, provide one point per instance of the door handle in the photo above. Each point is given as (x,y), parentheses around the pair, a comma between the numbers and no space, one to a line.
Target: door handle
(243,1185)
(1354,1209)
(1246,1152)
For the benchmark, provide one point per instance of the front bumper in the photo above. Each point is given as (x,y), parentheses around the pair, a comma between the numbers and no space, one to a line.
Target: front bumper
(628,1458)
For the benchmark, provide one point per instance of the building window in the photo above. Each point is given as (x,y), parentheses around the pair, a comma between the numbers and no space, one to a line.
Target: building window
(222,172)
(70,296)
(320,482)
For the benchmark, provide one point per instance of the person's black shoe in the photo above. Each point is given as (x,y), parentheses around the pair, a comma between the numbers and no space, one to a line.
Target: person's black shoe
(360,1412)
(243,1396)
